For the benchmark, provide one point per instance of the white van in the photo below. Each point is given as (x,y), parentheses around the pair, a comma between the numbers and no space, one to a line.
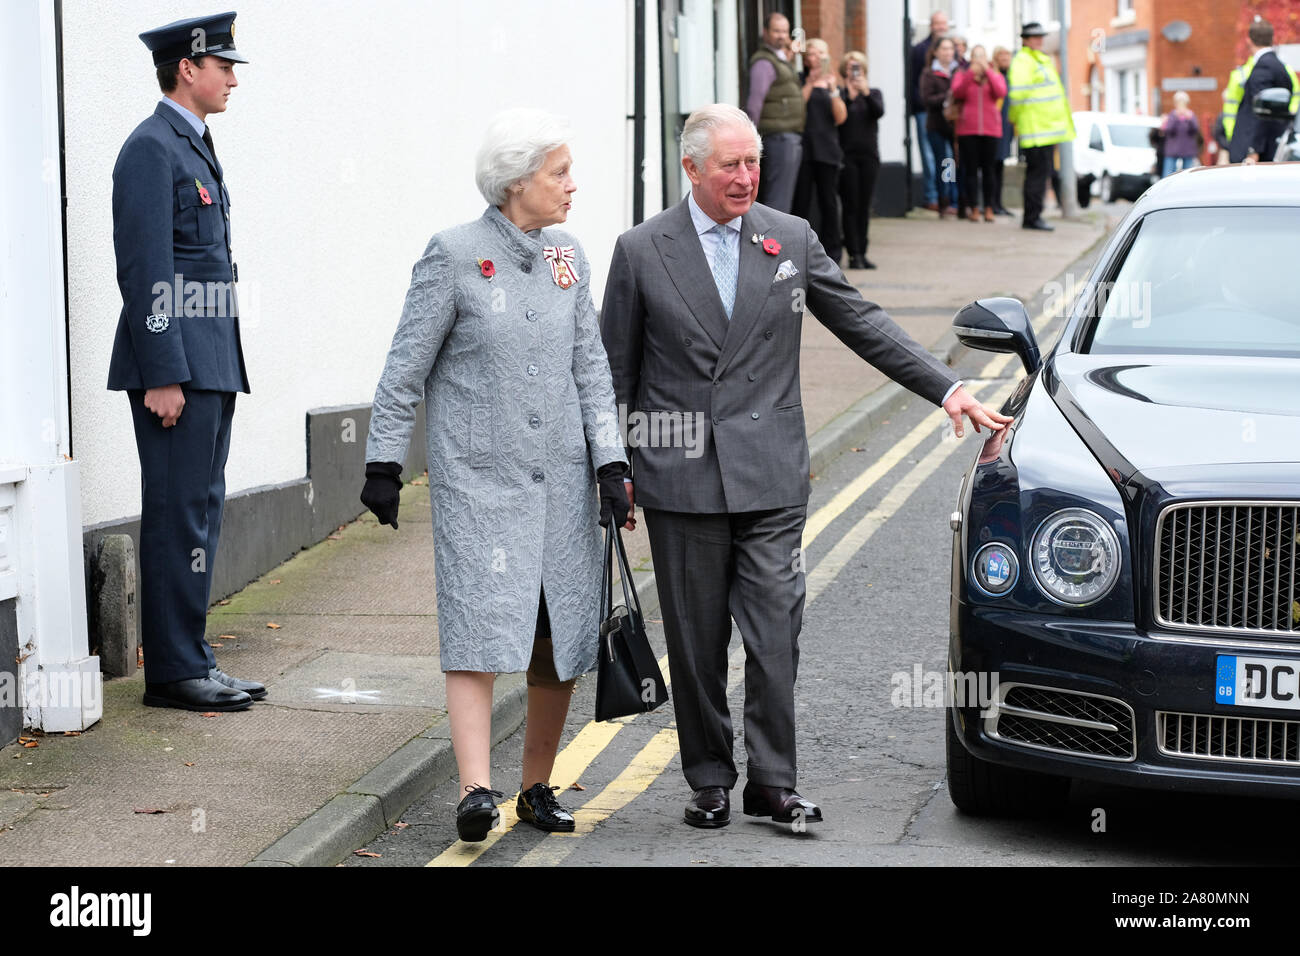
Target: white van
(1113,155)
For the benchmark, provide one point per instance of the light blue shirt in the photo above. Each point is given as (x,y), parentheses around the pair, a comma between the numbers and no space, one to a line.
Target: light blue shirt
(198,124)
(709,240)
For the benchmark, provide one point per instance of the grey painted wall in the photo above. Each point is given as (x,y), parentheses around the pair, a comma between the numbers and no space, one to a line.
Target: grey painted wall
(11,715)
(263,527)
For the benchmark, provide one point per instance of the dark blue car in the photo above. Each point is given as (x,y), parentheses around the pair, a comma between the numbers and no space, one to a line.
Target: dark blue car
(1126,557)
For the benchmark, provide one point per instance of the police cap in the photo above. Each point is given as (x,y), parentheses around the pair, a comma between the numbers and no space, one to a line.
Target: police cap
(197,36)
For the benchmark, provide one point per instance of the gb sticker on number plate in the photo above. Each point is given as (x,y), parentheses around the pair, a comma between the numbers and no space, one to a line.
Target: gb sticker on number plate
(1257,682)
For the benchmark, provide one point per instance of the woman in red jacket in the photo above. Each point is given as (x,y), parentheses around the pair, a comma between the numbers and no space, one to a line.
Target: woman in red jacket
(979,88)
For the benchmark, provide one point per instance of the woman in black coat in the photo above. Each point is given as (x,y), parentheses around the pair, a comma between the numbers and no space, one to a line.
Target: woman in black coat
(865,105)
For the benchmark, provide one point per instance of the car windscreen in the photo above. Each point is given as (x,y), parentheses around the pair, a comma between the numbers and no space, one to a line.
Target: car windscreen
(1206,281)
(1122,134)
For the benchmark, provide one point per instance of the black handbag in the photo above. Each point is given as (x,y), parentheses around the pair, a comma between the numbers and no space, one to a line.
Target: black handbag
(628,679)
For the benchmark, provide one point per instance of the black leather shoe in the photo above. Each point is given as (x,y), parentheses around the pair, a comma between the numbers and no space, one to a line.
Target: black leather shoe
(1040,225)
(537,805)
(477,813)
(709,808)
(1002,211)
(782,804)
(250,687)
(197,693)
(867,263)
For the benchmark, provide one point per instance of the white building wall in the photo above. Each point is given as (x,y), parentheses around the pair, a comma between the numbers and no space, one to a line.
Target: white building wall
(348,143)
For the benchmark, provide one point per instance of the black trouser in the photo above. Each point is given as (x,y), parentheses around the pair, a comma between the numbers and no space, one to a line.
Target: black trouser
(183,495)
(1038,168)
(999,167)
(857,186)
(819,182)
(979,157)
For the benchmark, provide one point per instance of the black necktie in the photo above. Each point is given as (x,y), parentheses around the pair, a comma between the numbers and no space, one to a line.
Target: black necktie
(207,140)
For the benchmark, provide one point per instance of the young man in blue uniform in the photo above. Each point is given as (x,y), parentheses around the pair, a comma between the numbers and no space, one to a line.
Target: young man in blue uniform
(177,354)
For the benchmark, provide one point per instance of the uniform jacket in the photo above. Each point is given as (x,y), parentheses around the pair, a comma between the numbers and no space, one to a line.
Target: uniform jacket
(979,102)
(1245,130)
(1037,104)
(520,414)
(180,319)
(672,350)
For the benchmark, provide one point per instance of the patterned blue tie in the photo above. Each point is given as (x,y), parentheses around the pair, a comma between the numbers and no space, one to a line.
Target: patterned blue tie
(724,268)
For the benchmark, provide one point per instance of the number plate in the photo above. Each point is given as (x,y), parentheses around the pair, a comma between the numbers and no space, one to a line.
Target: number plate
(1257,682)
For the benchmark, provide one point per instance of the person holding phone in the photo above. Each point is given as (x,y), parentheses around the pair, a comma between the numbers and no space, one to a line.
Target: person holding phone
(819,172)
(864,105)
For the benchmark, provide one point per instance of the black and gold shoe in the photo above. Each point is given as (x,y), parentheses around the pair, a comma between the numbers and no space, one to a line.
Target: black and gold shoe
(537,805)
(477,813)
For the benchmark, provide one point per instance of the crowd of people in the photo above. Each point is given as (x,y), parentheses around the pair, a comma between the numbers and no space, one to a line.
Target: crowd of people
(820,133)
(819,127)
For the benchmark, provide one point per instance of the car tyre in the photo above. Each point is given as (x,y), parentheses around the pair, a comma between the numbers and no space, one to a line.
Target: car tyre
(1107,188)
(983,789)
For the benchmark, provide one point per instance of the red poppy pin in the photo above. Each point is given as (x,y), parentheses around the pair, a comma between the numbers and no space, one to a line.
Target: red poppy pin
(203,193)
(486,267)
(771,246)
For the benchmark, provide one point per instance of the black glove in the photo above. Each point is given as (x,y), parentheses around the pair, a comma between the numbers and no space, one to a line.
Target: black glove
(613,496)
(383,489)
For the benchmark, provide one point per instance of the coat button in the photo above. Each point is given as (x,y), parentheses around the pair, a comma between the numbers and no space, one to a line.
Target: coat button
(527,267)
(754,415)
(715,421)
(537,474)
(689,341)
(532,370)
(535,422)
(767,334)
(532,316)
(753,377)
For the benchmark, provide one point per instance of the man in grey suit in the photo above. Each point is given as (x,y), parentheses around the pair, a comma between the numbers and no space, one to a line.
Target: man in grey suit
(701,322)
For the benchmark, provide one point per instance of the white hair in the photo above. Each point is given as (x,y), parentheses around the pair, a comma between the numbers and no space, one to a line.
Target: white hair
(697,134)
(514,147)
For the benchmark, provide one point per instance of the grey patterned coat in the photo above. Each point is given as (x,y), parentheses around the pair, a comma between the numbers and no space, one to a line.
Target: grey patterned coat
(520,413)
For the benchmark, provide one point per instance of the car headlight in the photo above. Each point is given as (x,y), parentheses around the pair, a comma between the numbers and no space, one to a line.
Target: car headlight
(995,569)
(1075,557)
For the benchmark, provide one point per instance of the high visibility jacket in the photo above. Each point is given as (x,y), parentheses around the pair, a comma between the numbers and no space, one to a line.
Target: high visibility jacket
(1237,86)
(1037,105)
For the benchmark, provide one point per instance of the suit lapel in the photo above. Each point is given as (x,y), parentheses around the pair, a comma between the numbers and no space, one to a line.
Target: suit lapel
(684,261)
(753,284)
(186,131)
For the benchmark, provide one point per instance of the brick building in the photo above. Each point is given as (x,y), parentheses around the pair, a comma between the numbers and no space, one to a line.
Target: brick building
(1131,56)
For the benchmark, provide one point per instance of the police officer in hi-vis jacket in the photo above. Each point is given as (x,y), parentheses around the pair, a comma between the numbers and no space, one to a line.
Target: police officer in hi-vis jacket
(177,354)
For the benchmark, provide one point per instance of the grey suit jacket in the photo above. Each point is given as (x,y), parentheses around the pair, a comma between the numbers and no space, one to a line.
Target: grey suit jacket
(720,399)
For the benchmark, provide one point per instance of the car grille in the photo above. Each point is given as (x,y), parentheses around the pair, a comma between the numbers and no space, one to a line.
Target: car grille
(1206,737)
(1229,566)
(1063,720)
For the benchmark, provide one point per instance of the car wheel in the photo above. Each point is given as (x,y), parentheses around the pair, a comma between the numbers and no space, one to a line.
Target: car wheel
(984,789)
(1107,188)
(1085,191)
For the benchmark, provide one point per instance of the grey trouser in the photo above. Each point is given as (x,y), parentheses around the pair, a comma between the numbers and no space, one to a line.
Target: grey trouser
(709,569)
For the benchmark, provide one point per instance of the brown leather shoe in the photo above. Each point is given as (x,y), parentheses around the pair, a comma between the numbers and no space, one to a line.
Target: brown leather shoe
(709,808)
(932,206)
(973,214)
(782,804)
(988,214)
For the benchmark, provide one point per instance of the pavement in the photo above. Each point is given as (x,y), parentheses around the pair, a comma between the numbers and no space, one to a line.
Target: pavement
(345,634)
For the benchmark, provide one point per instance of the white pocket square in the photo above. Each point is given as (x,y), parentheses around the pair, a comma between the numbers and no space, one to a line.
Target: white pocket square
(784,271)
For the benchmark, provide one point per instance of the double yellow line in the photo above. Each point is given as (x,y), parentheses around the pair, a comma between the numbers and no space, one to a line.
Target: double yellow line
(655,756)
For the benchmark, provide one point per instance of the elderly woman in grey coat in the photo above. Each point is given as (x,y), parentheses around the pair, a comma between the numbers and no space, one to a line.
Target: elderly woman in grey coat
(499,338)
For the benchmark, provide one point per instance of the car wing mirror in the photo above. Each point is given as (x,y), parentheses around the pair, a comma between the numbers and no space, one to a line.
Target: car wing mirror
(998,325)
(1273,103)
